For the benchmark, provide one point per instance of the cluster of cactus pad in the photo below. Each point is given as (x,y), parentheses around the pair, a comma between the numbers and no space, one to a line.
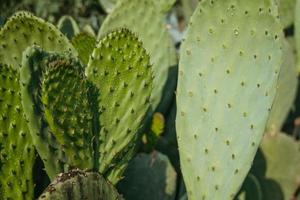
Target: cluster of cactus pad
(75,114)
(81,103)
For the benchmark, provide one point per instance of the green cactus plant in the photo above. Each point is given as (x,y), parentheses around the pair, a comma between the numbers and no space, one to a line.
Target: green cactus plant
(23,30)
(78,185)
(67,108)
(46,144)
(120,69)
(152,171)
(228,71)
(17,153)
(154,34)
(61,103)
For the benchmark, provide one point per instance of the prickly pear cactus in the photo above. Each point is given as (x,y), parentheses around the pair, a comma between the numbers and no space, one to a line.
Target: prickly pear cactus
(17,154)
(45,142)
(78,185)
(152,171)
(120,68)
(230,61)
(148,22)
(286,91)
(23,30)
(68,26)
(67,110)
(84,43)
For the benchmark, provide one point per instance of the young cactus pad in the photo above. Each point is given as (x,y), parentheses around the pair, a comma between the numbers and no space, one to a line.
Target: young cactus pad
(120,68)
(45,143)
(79,185)
(67,110)
(23,30)
(16,148)
(230,61)
(148,22)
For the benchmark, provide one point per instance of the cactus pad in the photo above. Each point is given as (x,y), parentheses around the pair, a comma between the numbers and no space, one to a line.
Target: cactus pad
(16,149)
(230,61)
(148,23)
(24,30)
(67,110)
(30,80)
(120,68)
(79,185)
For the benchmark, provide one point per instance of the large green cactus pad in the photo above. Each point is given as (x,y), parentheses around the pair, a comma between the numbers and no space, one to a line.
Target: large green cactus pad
(230,61)
(23,30)
(67,110)
(16,148)
(148,23)
(148,177)
(30,80)
(121,70)
(79,185)
(286,90)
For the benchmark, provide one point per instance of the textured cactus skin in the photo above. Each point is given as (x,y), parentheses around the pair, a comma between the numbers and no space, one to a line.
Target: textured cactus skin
(67,110)
(23,30)
(45,143)
(152,171)
(84,44)
(286,91)
(16,149)
(148,22)
(79,185)
(230,61)
(68,26)
(125,83)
